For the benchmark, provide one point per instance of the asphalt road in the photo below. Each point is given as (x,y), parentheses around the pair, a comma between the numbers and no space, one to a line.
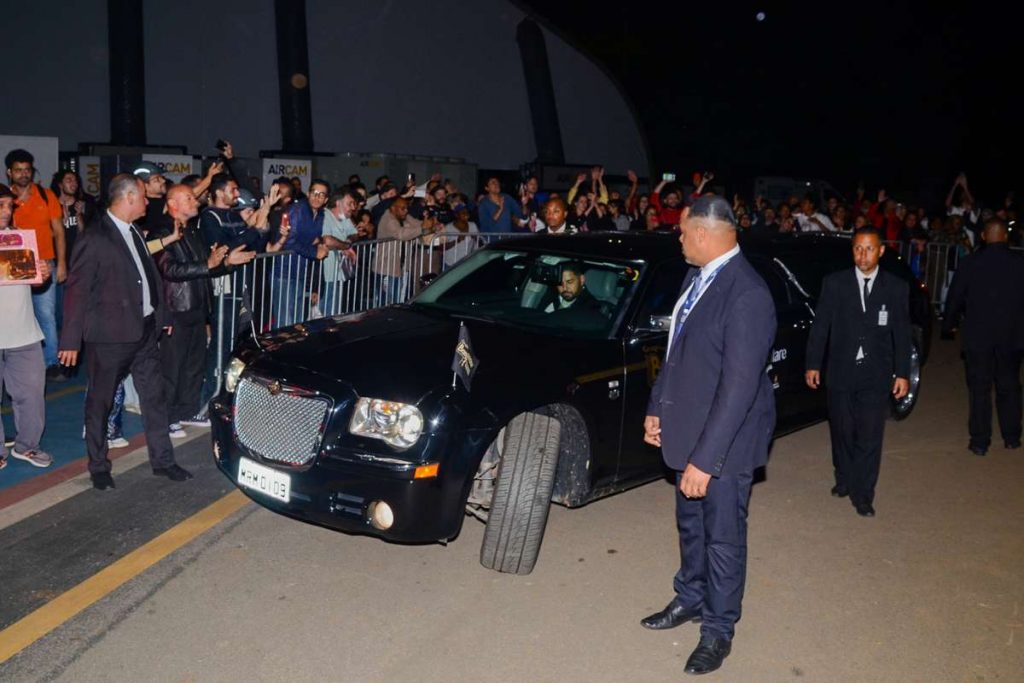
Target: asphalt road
(929,590)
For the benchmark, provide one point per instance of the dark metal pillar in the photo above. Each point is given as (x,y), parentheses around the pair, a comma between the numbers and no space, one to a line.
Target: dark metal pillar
(127,72)
(293,76)
(541,93)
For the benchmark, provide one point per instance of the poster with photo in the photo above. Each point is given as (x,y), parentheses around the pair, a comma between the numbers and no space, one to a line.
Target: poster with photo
(18,254)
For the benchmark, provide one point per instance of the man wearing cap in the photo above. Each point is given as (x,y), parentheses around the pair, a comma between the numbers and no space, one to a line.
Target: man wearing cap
(36,208)
(712,413)
(22,370)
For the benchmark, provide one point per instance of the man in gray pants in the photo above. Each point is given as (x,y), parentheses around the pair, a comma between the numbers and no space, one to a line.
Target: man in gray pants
(22,369)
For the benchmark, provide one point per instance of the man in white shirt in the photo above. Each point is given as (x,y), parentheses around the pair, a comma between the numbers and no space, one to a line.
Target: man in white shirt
(460,236)
(811,220)
(338,232)
(22,369)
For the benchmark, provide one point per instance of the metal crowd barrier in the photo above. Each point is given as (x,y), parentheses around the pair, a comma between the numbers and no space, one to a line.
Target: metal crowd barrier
(285,288)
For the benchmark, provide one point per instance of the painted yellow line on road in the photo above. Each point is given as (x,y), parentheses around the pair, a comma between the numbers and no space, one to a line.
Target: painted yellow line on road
(31,628)
(60,393)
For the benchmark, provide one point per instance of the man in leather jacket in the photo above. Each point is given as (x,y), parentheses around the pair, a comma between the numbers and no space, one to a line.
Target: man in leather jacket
(187,266)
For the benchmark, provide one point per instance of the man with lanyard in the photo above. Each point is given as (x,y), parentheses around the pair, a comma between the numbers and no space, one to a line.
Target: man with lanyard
(712,413)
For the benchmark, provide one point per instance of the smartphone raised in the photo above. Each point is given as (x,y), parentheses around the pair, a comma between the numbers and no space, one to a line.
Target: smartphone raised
(668,177)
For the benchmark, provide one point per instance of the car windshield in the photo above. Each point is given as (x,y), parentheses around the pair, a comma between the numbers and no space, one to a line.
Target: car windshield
(564,295)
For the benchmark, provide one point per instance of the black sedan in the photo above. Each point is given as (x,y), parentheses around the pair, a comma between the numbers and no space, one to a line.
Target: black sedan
(358,422)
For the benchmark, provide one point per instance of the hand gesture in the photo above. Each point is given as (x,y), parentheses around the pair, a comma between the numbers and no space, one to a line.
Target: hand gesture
(882,196)
(631,175)
(652,430)
(240,255)
(321,252)
(501,201)
(274,196)
(436,177)
(595,173)
(79,207)
(215,168)
(580,177)
(44,270)
(216,257)
(961,179)
(708,176)
(694,482)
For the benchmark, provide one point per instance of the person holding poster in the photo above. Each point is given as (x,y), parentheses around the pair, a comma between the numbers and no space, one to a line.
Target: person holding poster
(22,370)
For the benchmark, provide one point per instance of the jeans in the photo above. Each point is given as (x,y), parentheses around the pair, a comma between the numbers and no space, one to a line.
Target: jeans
(44,302)
(24,376)
(389,288)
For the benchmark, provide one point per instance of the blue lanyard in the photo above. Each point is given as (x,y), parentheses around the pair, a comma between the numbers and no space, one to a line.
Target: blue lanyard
(696,288)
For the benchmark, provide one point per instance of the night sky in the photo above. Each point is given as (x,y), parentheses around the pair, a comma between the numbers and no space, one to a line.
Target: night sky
(901,96)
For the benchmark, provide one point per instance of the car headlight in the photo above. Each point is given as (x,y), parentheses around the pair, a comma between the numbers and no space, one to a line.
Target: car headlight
(233,374)
(398,424)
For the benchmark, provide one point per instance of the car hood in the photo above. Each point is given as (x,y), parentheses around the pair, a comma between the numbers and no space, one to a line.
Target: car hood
(400,353)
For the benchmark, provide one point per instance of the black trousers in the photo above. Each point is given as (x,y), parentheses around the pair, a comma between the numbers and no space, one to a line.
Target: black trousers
(985,367)
(184,364)
(107,365)
(856,420)
(713,552)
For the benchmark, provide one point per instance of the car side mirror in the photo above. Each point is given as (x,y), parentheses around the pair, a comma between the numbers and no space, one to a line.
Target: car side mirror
(427,278)
(655,323)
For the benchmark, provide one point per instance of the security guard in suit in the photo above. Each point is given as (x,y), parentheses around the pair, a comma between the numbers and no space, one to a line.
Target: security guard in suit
(988,291)
(863,317)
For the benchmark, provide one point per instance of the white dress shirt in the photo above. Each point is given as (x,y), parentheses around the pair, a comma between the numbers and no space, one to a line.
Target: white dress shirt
(705,272)
(861,277)
(126,230)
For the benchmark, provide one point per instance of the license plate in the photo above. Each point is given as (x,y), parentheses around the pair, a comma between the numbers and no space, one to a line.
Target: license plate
(255,476)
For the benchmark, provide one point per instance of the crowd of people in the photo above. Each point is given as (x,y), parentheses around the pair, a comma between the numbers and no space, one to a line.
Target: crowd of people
(211,224)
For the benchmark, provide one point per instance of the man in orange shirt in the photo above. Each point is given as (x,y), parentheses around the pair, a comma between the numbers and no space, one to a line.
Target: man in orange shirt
(36,208)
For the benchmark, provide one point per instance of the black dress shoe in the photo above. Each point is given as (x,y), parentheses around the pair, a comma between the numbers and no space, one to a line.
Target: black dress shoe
(840,491)
(1011,445)
(102,481)
(864,509)
(708,656)
(673,615)
(978,450)
(174,473)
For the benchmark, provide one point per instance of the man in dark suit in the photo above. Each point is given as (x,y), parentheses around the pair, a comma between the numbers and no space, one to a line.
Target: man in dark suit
(988,290)
(114,303)
(712,412)
(863,318)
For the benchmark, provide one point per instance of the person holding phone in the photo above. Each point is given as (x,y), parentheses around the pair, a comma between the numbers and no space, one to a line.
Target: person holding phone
(670,204)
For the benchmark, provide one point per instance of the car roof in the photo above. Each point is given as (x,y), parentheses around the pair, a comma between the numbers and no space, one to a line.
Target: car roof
(656,246)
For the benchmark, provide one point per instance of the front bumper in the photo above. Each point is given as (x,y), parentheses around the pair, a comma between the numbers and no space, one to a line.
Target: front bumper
(336,492)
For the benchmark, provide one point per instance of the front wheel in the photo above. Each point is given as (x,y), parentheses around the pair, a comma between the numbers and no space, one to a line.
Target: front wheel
(901,409)
(522,495)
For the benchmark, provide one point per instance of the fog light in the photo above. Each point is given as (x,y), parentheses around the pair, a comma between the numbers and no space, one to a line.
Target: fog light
(380,514)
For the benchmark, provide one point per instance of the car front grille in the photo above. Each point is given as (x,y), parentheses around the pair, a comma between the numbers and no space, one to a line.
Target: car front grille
(280,424)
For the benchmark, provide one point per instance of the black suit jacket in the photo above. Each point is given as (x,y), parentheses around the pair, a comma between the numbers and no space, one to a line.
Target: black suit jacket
(842,326)
(713,395)
(103,293)
(988,290)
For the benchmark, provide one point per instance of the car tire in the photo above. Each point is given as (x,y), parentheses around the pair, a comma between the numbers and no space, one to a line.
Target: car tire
(901,409)
(522,494)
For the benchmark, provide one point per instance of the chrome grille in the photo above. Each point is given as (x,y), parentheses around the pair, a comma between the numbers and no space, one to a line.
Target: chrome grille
(283,427)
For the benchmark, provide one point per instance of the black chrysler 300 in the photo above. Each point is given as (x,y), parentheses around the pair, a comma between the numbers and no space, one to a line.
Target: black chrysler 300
(358,423)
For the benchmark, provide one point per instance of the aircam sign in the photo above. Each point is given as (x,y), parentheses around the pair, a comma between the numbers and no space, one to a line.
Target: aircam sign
(175,166)
(275,168)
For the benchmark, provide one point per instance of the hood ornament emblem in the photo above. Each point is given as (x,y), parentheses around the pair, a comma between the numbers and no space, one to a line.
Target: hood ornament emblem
(274,388)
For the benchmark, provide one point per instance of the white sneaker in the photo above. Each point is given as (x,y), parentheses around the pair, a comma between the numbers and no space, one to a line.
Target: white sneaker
(197,421)
(34,456)
(176,431)
(119,442)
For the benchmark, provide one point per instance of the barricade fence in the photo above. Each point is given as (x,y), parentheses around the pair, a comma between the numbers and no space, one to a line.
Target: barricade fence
(285,288)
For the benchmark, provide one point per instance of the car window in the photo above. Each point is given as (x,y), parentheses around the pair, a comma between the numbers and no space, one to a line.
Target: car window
(776,281)
(553,292)
(663,289)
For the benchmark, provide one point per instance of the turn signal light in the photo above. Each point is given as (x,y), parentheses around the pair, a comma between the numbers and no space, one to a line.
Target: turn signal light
(426,471)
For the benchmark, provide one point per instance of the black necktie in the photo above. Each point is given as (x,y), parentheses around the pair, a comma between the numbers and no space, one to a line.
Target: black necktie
(140,248)
(866,281)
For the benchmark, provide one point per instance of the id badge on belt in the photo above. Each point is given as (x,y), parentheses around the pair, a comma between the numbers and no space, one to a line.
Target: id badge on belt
(883,317)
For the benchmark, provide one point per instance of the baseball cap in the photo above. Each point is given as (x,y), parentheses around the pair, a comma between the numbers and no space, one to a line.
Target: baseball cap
(246,200)
(713,207)
(145,170)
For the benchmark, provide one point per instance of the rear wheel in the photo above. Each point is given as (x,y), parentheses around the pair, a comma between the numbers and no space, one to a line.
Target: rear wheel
(901,409)
(522,494)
